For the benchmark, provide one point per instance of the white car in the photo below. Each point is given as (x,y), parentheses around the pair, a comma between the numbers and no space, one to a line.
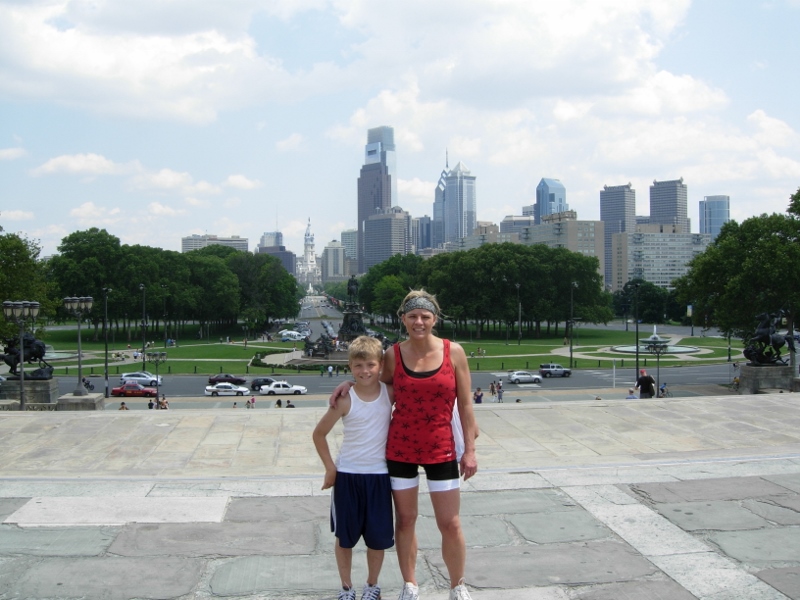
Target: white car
(524,377)
(282,387)
(144,377)
(226,389)
(293,336)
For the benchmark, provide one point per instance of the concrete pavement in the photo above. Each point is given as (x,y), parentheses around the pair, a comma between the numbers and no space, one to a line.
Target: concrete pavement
(576,498)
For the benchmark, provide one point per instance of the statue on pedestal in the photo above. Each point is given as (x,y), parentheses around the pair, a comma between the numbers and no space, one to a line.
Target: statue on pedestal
(764,346)
(34,351)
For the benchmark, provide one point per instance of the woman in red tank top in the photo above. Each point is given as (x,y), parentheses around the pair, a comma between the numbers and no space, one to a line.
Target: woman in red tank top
(429,376)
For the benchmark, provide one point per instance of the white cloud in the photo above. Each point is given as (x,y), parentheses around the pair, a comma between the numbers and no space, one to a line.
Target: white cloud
(156,209)
(771,131)
(92,215)
(83,164)
(293,142)
(241,182)
(172,181)
(17,215)
(11,153)
(415,193)
(196,202)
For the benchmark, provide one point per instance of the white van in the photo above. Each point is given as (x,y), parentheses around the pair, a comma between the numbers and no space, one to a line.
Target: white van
(292,336)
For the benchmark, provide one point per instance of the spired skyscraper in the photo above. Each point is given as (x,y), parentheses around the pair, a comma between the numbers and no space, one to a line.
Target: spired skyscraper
(715,211)
(454,205)
(551,198)
(668,204)
(377,182)
(618,214)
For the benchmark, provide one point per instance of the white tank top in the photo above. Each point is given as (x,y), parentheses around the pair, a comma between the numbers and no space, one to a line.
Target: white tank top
(366,428)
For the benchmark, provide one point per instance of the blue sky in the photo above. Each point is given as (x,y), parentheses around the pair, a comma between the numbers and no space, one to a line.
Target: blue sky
(157,119)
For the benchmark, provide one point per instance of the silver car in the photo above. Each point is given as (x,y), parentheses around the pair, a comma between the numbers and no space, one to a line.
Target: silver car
(523,377)
(144,377)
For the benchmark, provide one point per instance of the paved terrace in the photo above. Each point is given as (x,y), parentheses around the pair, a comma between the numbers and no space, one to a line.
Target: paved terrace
(689,497)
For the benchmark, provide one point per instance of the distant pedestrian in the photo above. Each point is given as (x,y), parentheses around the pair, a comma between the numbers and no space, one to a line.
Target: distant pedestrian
(289,404)
(234,405)
(253,402)
(492,390)
(151,404)
(645,384)
(477,397)
(278,403)
(330,370)
(499,393)
(631,395)
(123,406)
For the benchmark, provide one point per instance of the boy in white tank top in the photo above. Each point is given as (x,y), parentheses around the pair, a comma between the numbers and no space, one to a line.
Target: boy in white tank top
(361,501)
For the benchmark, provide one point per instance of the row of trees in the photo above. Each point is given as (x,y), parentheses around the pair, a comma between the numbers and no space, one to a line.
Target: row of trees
(486,286)
(215,286)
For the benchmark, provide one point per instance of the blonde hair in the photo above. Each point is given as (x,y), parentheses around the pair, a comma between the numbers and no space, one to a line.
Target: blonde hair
(422,295)
(365,348)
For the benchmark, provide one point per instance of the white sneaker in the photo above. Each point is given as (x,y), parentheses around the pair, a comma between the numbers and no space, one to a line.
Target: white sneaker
(347,594)
(410,592)
(460,592)
(371,592)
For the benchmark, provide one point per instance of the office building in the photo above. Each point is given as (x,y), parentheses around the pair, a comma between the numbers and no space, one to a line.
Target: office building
(333,263)
(195,242)
(377,182)
(386,234)
(421,233)
(350,243)
(658,254)
(287,257)
(271,238)
(715,211)
(454,206)
(551,198)
(488,233)
(618,214)
(564,230)
(516,223)
(668,204)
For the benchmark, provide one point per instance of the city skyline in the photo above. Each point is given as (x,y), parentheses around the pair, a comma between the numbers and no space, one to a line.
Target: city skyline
(250,117)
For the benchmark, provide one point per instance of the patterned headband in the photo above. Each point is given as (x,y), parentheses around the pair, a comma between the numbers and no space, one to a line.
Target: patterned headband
(420,302)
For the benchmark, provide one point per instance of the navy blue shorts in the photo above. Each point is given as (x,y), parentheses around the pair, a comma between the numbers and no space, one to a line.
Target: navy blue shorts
(361,506)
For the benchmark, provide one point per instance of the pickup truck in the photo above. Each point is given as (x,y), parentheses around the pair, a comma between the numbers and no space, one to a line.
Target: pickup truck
(554,370)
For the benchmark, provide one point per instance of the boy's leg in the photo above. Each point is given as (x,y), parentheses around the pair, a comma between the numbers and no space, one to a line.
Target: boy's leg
(344,562)
(374,564)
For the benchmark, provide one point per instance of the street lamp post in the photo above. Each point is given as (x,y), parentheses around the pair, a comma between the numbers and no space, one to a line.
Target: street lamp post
(572,287)
(79,307)
(106,291)
(157,358)
(519,317)
(164,312)
(636,319)
(657,348)
(19,312)
(144,322)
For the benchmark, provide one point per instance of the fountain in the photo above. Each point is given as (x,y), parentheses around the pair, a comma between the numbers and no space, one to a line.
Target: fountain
(656,341)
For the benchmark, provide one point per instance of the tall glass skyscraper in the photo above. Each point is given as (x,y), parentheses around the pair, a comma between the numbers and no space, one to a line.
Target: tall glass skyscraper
(377,182)
(715,211)
(551,198)
(618,213)
(454,206)
(668,204)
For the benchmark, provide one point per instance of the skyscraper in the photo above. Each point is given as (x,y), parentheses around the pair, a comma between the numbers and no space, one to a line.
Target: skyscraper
(715,211)
(668,200)
(385,234)
(618,214)
(377,183)
(551,198)
(454,205)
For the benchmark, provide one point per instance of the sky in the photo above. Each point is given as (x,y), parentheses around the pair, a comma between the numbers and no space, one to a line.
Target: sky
(158,119)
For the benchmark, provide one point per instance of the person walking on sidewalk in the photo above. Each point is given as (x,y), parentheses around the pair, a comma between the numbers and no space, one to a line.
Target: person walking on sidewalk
(361,502)
(646,385)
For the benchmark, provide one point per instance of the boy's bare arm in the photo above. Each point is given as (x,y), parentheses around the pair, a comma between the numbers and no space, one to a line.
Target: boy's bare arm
(320,434)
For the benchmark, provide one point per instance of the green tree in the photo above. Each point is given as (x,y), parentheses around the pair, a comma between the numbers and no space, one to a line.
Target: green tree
(22,277)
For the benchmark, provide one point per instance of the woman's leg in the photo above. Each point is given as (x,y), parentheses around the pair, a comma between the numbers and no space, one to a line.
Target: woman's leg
(406,503)
(446,506)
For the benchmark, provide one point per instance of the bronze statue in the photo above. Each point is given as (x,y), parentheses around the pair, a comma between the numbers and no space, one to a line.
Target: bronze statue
(34,351)
(352,289)
(764,346)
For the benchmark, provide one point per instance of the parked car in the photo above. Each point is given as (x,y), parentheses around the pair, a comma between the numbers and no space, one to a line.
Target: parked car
(143,377)
(226,378)
(134,389)
(523,377)
(293,336)
(282,387)
(226,389)
(554,370)
(256,384)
